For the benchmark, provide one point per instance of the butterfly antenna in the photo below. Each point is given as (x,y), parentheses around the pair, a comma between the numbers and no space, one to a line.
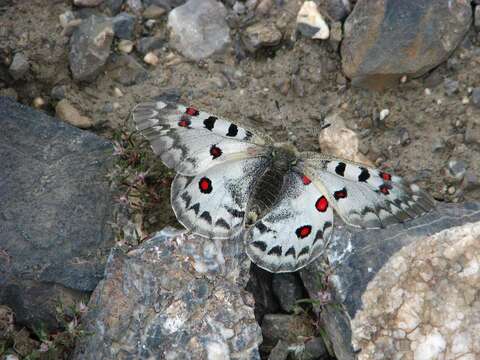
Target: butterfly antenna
(290,137)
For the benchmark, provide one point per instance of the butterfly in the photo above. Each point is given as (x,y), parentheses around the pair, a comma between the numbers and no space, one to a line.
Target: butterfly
(232,181)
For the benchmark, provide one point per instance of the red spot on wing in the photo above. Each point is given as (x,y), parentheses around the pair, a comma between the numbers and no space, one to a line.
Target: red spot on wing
(215,151)
(306,180)
(191,111)
(384,189)
(385,176)
(303,231)
(205,185)
(321,204)
(184,123)
(340,194)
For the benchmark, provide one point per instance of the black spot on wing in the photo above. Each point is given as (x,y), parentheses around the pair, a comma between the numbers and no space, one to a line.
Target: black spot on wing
(209,122)
(304,251)
(364,175)
(327,225)
(206,216)
(195,208)
(235,213)
(291,252)
(261,227)
(232,130)
(260,245)
(276,250)
(187,198)
(222,223)
(248,135)
(340,168)
(318,236)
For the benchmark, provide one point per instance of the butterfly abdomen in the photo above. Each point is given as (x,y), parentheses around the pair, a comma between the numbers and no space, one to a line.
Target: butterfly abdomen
(268,188)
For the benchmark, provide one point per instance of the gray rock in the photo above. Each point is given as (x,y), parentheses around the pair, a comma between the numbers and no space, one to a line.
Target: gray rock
(403,136)
(336,10)
(457,168)
(90,47)
(127,70)
(123,26)
(149,43)
(87,3)
(385,40)
(476,97)
(114,6)
(19,66)
(261,35)
(58,92)
(288,289)
(166,4)
(175,296)
(56,205)
(451,86)
(477,18)
(279,351)
(198,28)
(291,329)
(368,266)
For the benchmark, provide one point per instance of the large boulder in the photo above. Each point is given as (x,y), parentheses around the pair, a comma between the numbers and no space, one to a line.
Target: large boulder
(55,208)
(386,39)
(408,292)
(177,296)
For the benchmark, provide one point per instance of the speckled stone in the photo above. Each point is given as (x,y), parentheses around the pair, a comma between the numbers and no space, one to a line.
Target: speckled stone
(176,295)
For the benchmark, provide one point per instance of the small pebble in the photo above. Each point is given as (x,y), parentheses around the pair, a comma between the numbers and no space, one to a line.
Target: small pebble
(450,86)
(465,100)
(117,92)
(149,24)
(404,136)
(476,97)
(68,113)
(125,46)
(403,79)
(58,92)
(107,108)
(311,23)
(151,59)
(87,3)
(383,114)
(38,102)
(428,92)
(65,18)
(457,168)
(438,144)
(154,12)
(19,66)
(451,190)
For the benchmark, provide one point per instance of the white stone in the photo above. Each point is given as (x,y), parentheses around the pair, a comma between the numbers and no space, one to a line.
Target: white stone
(310,16)
(430,347)
(384,113)
(151,59)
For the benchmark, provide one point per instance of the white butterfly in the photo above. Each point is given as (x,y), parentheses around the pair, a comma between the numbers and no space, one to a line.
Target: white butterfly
(230,179)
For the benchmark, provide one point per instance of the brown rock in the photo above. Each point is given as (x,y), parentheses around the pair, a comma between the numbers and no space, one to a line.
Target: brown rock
(65,111)
(154,12)
(386,39)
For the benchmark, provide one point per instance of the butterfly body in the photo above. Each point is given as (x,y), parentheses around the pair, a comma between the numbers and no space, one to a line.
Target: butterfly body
(231,181)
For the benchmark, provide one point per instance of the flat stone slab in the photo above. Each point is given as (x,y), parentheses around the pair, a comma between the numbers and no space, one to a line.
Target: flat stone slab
(409,276)
(55,208)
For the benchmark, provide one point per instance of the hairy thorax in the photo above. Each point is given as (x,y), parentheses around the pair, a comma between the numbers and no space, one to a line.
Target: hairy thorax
(268,188)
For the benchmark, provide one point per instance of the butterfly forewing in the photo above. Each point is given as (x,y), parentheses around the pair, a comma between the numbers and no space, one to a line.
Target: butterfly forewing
(295,231)
(363,196)
(213,203)
(191,141)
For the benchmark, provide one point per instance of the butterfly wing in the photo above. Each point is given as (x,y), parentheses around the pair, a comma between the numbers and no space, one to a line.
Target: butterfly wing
(296,229)
(191,141)
(213,203)
(363,196)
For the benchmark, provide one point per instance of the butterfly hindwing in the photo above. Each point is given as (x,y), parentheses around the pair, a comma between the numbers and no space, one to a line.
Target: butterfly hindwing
(364,196)
(213,203)
(191,141)
(296,229)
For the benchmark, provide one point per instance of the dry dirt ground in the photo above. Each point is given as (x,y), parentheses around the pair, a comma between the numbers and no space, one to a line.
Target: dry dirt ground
(297,84)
